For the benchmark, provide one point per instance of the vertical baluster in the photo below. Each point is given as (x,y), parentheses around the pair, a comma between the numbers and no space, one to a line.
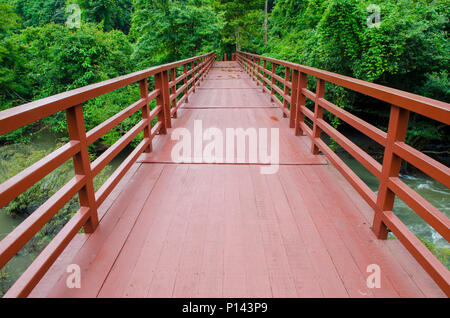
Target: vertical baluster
(173,76)
(200,71)
(272,91)
(264,74)
(143,86)
(294,98)
(398,127)
(318,114)
(301,101)
(185,82)
(287,77)
(252,68)
(193,75)
(161,83)
(205,67)
(257,71)
(82,164)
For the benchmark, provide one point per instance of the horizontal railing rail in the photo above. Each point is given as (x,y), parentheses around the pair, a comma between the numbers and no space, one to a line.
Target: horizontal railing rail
(77,148)
(294,93)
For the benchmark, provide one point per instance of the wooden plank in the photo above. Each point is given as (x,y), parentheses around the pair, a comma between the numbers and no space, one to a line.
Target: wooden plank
(234,280)
(378,254)
(129,203)
(302,207)
(303,273)
(150,233)
(187,280)
(211,273)
(428,287)
(167,268)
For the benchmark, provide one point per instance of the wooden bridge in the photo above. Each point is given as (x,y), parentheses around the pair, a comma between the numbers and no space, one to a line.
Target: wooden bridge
(163,228)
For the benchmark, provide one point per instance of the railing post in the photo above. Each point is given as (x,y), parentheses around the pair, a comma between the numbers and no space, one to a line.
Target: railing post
(255,69)
(225,57)
(294,98)
(398,127)
(318,114)
(287,76)
(173,91)
(272,91)
(143,86)
(77,132)
(258,62)
(201,70)
(193,75)
(160,83)
(264,74)
(301,101)
(252,68)
(185,82)
(204,68)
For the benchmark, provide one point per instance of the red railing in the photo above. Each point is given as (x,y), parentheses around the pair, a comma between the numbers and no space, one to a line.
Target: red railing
(167,104)
(294,93)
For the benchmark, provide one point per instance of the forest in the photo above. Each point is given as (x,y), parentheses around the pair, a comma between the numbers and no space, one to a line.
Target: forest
(402,45)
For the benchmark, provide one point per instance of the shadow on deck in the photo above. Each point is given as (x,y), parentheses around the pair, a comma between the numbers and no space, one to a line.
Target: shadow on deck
(226,230)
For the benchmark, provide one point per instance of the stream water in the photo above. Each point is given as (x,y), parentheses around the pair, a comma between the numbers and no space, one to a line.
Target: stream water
(431,190)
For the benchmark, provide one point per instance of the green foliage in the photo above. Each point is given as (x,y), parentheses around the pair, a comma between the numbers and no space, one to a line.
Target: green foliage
(112,14)
(168,31)
(40,12)
(11,60)
(243,24)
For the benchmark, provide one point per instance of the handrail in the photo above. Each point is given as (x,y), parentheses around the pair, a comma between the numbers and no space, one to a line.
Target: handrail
(425,106)
(396,150)
(16,117)
(77,148)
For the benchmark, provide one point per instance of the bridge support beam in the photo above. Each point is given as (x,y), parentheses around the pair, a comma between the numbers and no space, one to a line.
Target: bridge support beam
(162,99)
(398,126)
(82,164)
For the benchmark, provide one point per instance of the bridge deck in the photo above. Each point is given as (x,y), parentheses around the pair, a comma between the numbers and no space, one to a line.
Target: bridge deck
(226,230)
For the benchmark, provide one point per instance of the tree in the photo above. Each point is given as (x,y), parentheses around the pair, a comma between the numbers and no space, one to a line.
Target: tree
(168,31)
(40,12)
(11,61)
(244,24)
(113,14)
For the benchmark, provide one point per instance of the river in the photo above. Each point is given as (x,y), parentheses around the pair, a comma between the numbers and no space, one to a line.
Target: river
(431,190)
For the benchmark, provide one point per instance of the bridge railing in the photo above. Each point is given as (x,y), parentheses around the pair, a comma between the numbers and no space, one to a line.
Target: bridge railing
(166,95)
(294,94)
